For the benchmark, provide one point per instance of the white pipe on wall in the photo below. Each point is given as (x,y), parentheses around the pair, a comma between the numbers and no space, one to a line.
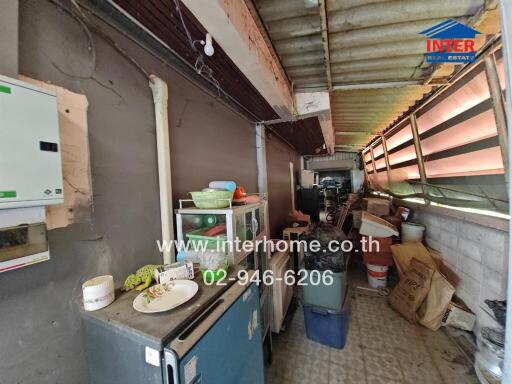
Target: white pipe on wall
(292,185)
(261,159)
(160,97)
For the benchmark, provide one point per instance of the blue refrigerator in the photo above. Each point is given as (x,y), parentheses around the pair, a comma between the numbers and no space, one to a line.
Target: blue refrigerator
(214,338)
(223,345)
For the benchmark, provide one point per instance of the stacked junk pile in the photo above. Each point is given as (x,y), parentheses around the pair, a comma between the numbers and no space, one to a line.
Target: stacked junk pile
(326,296)
(425,290)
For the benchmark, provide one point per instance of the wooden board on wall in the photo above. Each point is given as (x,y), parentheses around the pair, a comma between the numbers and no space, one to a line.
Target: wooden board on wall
(76,165)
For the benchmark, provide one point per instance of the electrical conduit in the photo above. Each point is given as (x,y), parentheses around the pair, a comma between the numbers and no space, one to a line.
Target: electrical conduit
(160,97)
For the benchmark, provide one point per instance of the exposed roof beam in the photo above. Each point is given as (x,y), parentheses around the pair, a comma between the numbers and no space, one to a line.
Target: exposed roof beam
(233,27)
(312,103)
(325,42)
(328,131)
(317,104)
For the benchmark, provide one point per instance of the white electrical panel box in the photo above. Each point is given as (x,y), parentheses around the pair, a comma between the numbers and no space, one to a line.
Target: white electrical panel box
(30,158)
(23,238)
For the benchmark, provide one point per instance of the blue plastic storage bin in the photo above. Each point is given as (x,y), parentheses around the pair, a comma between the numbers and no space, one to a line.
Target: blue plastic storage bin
(320,295)
(327,326)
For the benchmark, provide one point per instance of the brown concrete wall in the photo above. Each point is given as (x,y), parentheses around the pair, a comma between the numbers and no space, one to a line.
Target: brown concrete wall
(208,142)
(39,320)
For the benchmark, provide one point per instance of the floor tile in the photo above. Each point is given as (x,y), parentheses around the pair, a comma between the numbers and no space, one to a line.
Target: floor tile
(381,363)
(421,373)
(381,347)
(350,356)
(292,344)
(308,370)
(346,375)
(457,374)
(371,379)
(417,365)
(376,339)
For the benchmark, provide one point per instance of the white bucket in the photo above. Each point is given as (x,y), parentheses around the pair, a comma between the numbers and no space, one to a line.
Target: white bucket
(98,292)
(377,275)
(412,232)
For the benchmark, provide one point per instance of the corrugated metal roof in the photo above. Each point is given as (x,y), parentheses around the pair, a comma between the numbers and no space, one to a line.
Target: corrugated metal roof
(372,41)
(378,41)
(369,42)
(295,29)
(370,111)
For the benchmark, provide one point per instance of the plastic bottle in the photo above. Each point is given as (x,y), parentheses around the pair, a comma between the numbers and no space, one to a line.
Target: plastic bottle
(209,220)
(226,185)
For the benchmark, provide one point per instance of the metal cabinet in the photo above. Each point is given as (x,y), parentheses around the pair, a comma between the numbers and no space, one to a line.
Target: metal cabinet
(210,228)
(246,223)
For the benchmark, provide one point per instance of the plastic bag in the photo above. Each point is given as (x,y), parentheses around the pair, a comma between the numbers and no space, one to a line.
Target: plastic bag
(324,259)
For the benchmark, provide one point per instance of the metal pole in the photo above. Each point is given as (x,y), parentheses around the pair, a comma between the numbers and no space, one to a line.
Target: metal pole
(364,168)
(292,185)
(325,42)
(499,109)
(419,153)
(373,159)
(386,158)
(261,158)
(453,80)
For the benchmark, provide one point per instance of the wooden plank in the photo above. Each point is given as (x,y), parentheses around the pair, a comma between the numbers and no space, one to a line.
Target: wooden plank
(76,165)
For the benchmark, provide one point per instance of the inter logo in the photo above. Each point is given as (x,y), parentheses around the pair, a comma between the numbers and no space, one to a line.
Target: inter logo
(450,42)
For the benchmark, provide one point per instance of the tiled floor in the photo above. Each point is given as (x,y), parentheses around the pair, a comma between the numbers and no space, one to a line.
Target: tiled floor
(381,347)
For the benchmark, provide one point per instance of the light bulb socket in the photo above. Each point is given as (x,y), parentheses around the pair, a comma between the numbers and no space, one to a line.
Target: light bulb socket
(208,46)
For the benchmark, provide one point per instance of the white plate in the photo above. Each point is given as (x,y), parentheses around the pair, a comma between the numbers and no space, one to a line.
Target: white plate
(170,296)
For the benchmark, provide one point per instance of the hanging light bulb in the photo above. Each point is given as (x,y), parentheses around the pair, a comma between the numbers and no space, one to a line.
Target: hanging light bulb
(208,46)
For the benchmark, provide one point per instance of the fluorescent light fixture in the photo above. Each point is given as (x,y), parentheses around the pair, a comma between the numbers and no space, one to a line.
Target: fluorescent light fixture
(353,133)
(391,84)
(462,209)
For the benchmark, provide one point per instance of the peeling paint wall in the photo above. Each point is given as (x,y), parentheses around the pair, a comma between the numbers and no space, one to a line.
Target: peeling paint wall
(39,323)
(9,38)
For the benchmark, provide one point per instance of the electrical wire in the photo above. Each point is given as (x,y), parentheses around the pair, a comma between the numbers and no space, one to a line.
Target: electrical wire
(231,103)
(88,25)
(90,40)
(202,69)
(200,66)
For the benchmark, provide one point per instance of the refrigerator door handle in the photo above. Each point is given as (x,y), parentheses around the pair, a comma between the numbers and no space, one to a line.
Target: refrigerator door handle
(200,320)
(171,371)
(193,333)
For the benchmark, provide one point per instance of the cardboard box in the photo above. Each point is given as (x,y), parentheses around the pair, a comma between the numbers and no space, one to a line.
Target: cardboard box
(176,271)
(356,219)
(377,207)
